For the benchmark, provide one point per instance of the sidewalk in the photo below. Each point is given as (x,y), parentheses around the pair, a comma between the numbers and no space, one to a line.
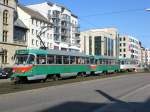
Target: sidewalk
(4,80)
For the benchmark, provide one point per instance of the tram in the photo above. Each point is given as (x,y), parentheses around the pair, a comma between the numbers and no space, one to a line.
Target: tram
(127,64)
(38,64)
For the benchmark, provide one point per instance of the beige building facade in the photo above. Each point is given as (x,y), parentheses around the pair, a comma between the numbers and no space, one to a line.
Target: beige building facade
(100,42)
(8,15)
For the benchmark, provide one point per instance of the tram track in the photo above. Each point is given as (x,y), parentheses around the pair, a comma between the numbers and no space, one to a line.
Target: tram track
(9,87)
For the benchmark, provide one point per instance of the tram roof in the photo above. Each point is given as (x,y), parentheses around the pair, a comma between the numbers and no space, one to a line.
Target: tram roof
(127,59)
(51,51)
(103,57)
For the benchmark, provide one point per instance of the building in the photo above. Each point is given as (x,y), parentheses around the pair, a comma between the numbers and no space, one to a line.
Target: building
(130,48)
(20,32)
(38,25)
(8,45)
(148,57)
(98,42)
(144,57)
(65,25)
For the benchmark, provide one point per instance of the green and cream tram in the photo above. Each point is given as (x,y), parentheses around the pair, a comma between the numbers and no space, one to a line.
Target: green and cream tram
(42,64)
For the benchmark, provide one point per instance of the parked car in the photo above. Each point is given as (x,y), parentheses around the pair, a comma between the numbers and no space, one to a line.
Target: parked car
(3,74)
(8,71)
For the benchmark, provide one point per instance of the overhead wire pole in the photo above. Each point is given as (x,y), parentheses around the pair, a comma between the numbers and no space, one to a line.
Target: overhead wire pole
(50,25)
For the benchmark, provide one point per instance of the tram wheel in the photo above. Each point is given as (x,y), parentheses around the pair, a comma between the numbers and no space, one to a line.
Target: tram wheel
(55,77)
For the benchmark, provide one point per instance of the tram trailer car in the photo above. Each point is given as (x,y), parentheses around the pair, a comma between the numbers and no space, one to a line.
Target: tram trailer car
(43,64)
(128,65)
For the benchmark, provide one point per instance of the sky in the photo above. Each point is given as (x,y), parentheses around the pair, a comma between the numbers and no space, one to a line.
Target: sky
(128,16)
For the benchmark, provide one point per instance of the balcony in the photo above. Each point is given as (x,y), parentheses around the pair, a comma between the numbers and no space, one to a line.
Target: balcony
(65,27)
(65,34)
(65,17)
(76,38)
(65,40)
(57,40)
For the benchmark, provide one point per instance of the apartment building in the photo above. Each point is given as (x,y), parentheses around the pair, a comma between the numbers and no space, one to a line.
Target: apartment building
(100,42)
(148,57)
(65,25)
(8,45)
(144,57)
(38,25)
(130,48)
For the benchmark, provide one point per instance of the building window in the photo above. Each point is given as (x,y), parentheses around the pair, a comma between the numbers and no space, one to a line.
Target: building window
(124,44)
(32,21)
(32,31)
(4,57)
(124,39)
(98,45)
(5,36)
(36,23)
(120,50)
(120,39)
(32,41)
(5,2)
(124,50)
(47,44)
(5,17)
(124,55)
(36,42)
(90,45)
(36,32)
(105,46)
(120,44)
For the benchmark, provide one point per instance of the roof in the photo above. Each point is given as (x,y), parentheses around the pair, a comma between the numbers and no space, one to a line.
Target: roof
(19,23)
(34,14)
(53,52)
(103,57)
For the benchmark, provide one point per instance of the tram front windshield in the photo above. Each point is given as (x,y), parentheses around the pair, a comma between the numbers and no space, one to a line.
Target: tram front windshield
(24,59)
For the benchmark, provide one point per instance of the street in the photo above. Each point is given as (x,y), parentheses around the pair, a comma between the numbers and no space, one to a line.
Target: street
(129,93)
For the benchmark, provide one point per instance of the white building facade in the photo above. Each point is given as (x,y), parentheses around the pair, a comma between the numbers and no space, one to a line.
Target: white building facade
(130,48)
(65,25)
(37,25)
(148,57)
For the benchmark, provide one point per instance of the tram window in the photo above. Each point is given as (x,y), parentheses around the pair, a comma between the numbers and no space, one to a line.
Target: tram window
(103,62)
(87,60)
(50,59)
(122,62)
(97,61)
(100,61)
(58,59)
(31,59)
(82,60)
(106,62)
(113,62)
(72,60)
(78,60)
(92,61)
(41,59)
(109,62)
(65,59)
